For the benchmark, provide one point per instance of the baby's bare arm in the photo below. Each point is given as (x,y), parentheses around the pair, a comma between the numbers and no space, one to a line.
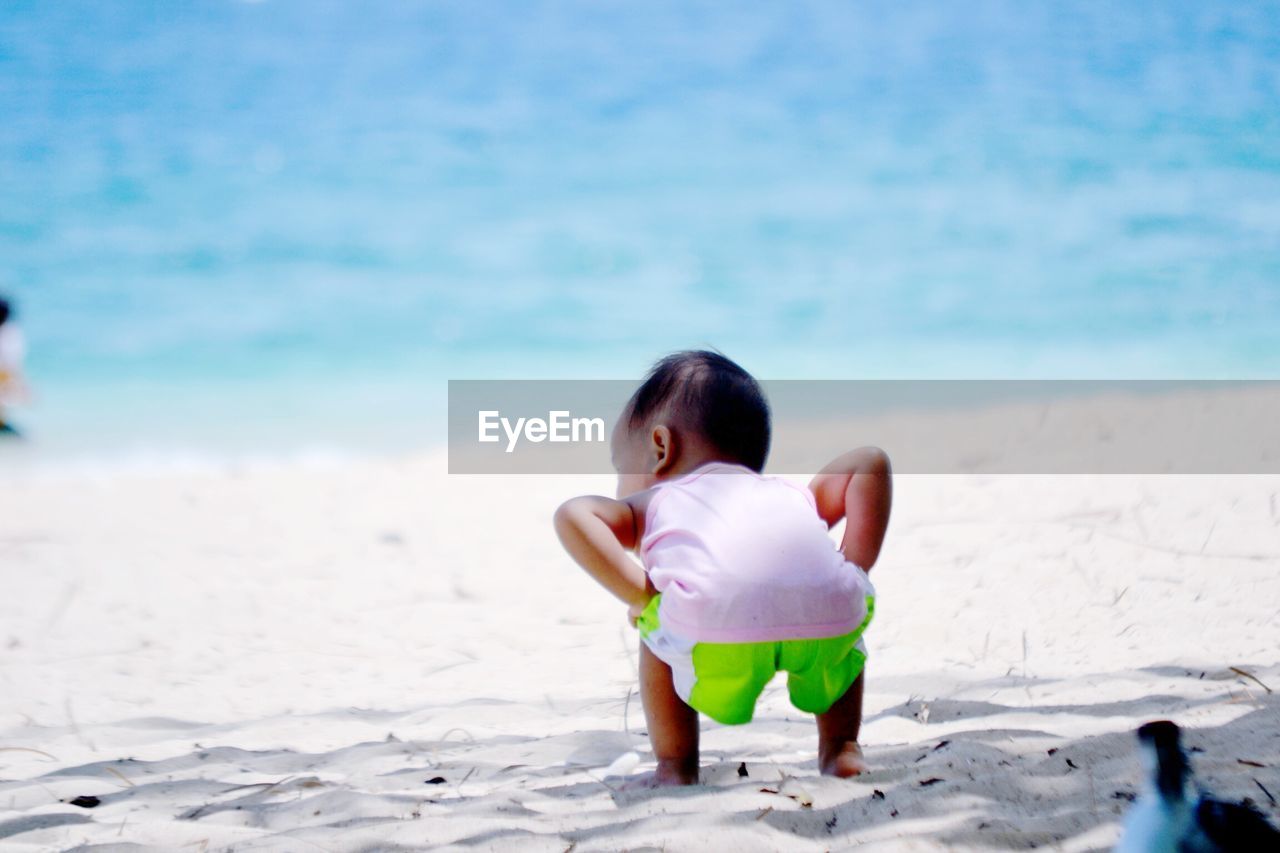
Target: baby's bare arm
(858,487)
(598,532)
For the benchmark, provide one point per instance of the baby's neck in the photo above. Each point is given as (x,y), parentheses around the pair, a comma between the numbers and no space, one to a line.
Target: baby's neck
(691,462)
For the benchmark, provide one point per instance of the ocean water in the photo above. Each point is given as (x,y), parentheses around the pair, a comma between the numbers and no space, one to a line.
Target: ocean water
(284,224)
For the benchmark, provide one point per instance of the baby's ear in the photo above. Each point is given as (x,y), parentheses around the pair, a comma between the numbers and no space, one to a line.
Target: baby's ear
(661,448)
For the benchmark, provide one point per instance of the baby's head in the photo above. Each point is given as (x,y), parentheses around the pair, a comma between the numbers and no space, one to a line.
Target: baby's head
(694,407)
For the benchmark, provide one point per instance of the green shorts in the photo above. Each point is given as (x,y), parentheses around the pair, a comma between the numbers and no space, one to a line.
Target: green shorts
(724,680)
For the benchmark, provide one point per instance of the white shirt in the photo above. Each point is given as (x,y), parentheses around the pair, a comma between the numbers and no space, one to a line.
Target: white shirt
(744,558)
(13,347)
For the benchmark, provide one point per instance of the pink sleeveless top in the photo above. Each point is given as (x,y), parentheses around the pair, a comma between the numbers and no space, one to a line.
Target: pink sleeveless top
(744,558)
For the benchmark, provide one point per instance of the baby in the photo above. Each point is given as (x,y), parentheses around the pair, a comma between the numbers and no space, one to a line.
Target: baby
(740,579)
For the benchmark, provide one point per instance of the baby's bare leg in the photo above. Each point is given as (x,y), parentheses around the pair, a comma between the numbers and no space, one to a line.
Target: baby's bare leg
(673,725)
(838,750)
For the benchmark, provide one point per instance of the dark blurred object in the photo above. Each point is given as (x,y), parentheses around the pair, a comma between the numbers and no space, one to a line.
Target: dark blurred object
(13,352)
(1172,816)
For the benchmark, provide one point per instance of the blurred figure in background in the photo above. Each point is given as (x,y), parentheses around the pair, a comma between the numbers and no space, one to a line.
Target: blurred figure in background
(13,350)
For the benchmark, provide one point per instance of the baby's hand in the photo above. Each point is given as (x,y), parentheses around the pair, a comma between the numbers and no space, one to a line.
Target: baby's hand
(635,611)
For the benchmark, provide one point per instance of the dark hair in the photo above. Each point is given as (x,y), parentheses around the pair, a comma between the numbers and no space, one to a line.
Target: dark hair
(708,393)
(5,310)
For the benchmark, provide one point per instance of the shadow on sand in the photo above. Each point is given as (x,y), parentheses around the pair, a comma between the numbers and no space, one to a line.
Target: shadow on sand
(979,782)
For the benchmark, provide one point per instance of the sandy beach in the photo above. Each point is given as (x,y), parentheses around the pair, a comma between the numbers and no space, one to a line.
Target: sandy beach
(296,299)
(375,655)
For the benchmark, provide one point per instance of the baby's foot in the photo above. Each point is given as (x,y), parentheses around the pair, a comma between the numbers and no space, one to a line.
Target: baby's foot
(845,762)
(675,773)
(667,775)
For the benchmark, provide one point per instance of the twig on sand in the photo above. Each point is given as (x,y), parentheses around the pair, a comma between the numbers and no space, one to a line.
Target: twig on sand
(121,776)
(1265,791)
(1026,650)
(265,787)
(457,789)
(798,795)
(1249,675)
(470,737)
(1248,697)
(277,784)
(28,749)
(200,811)
(626,713)
(75,727)
(443,739)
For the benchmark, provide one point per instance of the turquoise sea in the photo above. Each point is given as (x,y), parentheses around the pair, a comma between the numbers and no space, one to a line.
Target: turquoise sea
(277,225)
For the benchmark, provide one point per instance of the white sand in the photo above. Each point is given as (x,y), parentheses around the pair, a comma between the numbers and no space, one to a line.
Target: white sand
(285,658)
